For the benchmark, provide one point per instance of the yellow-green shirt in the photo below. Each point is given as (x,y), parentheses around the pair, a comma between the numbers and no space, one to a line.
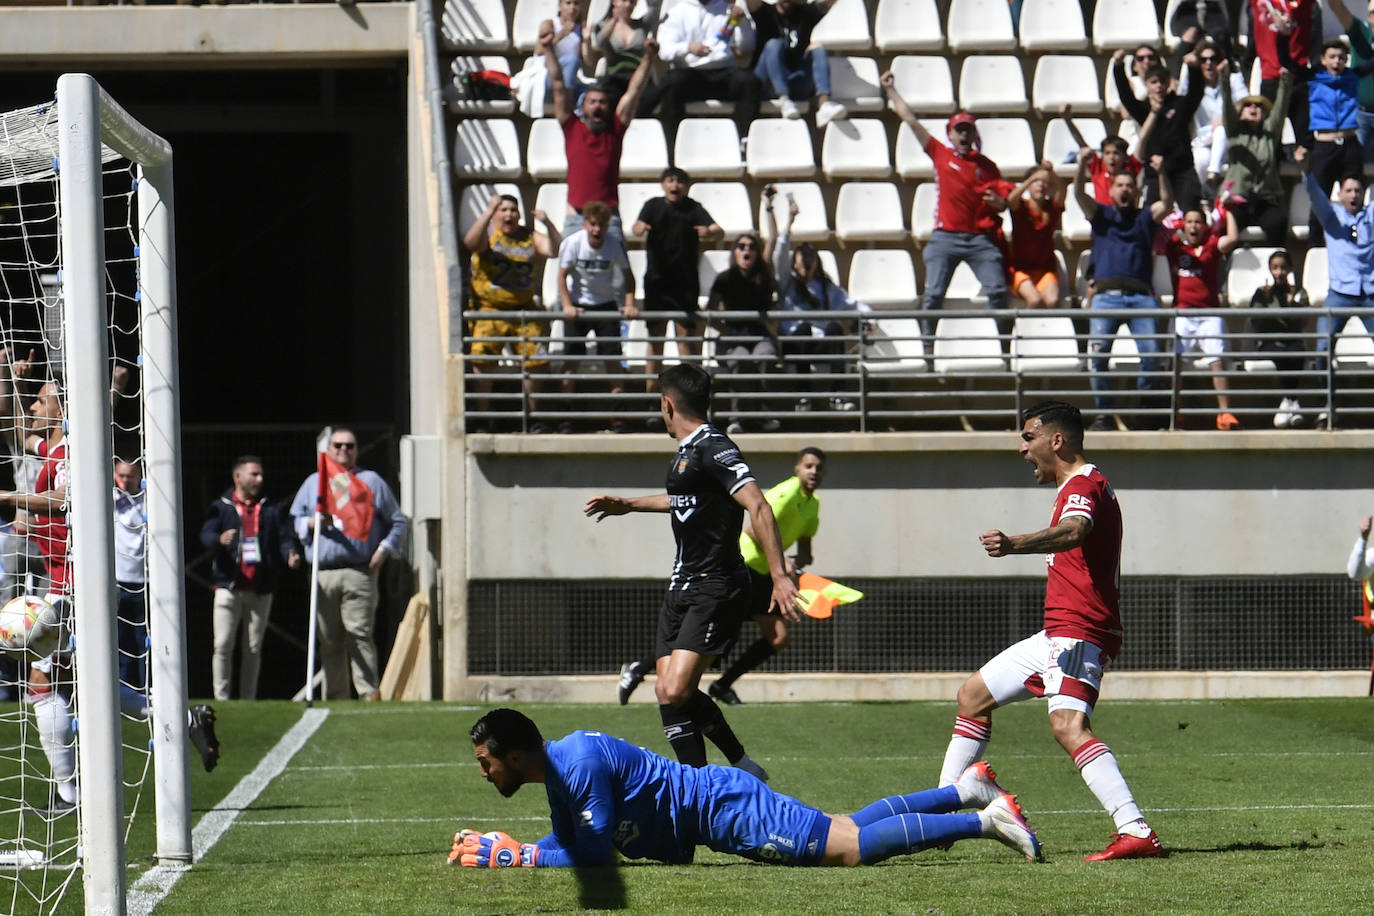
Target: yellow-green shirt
(798,515)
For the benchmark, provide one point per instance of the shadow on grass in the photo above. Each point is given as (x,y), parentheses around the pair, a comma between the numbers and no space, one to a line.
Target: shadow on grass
(1298,845)
(600,888)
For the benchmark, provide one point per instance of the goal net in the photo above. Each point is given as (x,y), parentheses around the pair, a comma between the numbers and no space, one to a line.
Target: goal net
(89,452)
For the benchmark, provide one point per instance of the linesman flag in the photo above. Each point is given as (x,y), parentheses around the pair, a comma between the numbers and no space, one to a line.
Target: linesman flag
(345,498)
(819,596)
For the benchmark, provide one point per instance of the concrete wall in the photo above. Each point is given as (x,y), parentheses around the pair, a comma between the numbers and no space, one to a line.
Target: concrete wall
(1195,504)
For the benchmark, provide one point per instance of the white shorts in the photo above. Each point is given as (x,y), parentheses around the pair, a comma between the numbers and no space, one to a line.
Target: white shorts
(1200,335)
(1066,671)
(63,605)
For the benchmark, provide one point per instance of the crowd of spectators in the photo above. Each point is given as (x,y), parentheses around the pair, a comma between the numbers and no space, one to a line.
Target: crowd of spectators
(1198,171)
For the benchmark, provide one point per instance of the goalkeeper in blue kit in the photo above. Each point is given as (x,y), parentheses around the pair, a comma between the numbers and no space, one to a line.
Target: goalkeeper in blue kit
(607,795)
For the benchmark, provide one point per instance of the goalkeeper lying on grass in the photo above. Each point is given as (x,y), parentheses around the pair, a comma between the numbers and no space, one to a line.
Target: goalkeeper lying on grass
(606,795)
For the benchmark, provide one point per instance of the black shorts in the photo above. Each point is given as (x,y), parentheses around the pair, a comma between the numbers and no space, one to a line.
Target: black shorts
(606,331)
(760,592)
(705,616)
(662,295)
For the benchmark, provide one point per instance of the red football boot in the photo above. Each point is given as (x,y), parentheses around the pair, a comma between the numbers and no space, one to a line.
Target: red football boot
(1125,846)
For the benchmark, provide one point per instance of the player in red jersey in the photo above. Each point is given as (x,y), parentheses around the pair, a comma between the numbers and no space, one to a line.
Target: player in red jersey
(1065,661)
(1195,256)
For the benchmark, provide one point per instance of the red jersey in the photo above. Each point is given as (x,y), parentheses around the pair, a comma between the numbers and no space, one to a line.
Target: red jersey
(1102,179)
(1032,236)
(593,162)
(1083,590)
(1196,270)
(959,187)
(50,531)
(1266,40)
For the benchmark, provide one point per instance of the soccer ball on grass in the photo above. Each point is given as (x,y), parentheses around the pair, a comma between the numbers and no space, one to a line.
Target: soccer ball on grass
(29,625)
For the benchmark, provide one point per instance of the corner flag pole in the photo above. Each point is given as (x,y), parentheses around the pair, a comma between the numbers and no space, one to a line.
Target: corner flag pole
(322,489)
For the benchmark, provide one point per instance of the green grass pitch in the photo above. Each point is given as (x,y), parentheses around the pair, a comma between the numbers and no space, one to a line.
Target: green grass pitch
(1264,805)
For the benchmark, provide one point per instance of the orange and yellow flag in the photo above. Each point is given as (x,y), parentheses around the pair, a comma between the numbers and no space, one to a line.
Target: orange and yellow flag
(820,596)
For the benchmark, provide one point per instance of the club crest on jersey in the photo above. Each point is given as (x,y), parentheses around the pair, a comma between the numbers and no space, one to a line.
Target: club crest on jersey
(625,832)
(682,464)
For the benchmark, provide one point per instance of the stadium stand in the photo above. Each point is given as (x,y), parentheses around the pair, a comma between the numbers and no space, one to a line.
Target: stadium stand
(1044,345)
(553,200)
(979,25)
(1052,25)
(632,195)
(925,83)
(882,278)
(869,211)
(487,149)
(844,28)
(1059,147)
(779,148)
(644,153)
(923,211)
(728,204)
(912,161)
(460,106)
(1065,80)
(1124,24)
(813,216)
(856,148)
(894,345)
(544,158)
(992,84)
(908,25)
(475,25)
(967,345)
(708,148)
(854,82)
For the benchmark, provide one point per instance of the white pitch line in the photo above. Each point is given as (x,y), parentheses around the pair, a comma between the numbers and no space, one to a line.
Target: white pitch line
(158,881)
(347,821)
(380,766)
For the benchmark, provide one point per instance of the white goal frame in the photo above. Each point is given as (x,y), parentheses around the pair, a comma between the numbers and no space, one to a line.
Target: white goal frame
(87,119)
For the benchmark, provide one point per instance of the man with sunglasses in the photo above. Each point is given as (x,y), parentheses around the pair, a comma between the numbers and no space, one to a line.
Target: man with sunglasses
(970,197)
(353,543)
(1210,138)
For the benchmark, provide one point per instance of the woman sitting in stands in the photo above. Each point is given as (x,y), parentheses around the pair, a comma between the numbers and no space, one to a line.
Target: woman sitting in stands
(804,287)
(620,39)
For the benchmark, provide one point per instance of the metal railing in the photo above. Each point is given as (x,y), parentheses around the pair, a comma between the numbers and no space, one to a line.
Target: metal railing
(914,369)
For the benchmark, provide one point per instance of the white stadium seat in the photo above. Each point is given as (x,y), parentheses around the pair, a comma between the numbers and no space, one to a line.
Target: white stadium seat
(779,148)
(964,345)
(475,198)
(728,204)
(1044,344)
(1074,225)
(464,107)
(813,217)
(552,198)
(979,25)
(1059,143)
(1065,79)
(883,278)
(1125,24)
(894,345)
(856,148)
(1007,142)
(597,10)
(644,152)
(1299,206)
(1249,271)
(964,290)
(708,148)
(924,83)
(844,28)
(869,211)
(992,83)
(633,196)
(1316,278)
(475,25)
(923,211)
(710,265)
(912,161)
(486,148)
(544,155)
(1052,25)
(525,21)
(1353,349)
(854,82)
(908,25)
(1124,355)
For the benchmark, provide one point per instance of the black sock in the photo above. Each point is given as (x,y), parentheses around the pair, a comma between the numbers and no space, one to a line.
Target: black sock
(683,734)
(710,721)
(759,651)
(647,664)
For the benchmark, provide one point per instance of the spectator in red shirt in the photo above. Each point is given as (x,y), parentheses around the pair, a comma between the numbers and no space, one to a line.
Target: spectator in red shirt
(592,142)
(1037,206)
(970,197)
(1195,256)
(1272,21)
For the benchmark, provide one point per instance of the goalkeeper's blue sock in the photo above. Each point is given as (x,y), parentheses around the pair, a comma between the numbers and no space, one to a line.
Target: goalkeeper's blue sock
(907,833)
(931,801)
(682,734)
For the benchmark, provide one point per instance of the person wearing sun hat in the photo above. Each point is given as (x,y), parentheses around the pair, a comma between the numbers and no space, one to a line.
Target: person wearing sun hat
(971,195)
(1254,137)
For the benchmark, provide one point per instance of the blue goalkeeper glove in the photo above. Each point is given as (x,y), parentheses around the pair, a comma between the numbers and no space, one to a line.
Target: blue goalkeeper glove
(493,850)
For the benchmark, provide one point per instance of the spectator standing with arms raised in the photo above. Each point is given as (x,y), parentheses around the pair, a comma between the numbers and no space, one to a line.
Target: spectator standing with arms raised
(1286,22)
(971,195)
(1361,35)
(1037,205)
(252,542)
(623,41)
(1254,131)
(362,525)
(1123,271)
(592,141)
(1171,139)
(1349,229)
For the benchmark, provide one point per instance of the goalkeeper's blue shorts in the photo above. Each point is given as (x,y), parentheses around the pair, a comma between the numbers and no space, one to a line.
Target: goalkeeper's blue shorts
(744,817)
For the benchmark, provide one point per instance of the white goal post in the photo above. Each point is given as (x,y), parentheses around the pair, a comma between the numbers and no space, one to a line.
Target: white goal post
(88,119)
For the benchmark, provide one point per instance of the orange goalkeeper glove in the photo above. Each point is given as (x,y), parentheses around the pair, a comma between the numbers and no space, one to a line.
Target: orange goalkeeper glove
(493,850)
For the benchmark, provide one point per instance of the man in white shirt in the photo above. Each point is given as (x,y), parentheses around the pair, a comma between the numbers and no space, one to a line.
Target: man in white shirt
(593,272)
(131,539)
(699,41)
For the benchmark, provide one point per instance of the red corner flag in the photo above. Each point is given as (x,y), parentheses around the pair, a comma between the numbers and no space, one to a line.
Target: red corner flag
(346,498)
(818,596)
